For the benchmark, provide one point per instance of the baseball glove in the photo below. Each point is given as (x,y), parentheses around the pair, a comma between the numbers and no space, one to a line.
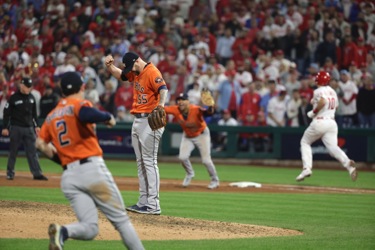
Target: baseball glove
(206,98)
(157,118)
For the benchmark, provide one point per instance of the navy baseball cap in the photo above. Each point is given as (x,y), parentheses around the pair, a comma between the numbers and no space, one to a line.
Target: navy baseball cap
(27,82)
(182,96)
(71,83)
(129,60)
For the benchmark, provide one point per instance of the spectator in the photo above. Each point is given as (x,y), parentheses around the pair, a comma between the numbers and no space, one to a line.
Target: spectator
(340,94)
(303,119)
(227,120)
(242,76)
(350,90)
(228,95)
(250,103)
(91,94)
(107,98)
(366,103)
(272,92)
(224,46)
(124,95)
(331,68)
(123,115)
(292,108)
(276,110)
(194,94)
(327,48)
(48,101)
(4,97)
(349,52)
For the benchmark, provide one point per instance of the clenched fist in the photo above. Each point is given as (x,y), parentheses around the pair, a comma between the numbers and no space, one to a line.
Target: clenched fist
(108,60)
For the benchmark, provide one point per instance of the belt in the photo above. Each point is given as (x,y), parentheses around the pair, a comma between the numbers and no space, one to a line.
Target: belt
(78,162)
(324,118)
(141,115)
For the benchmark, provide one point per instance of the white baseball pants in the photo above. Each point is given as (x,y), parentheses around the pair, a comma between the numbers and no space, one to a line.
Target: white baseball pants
(325,129)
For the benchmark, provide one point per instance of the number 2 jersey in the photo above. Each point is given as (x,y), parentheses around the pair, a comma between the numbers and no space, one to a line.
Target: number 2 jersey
(330,96)
(73,139)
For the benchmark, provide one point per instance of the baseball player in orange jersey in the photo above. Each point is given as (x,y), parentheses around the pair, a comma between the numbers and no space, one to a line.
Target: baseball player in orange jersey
(150,91)
(323,126)
(196,133)
(86,182)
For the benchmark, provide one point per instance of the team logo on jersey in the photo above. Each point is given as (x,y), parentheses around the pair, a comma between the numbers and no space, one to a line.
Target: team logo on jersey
(159,80)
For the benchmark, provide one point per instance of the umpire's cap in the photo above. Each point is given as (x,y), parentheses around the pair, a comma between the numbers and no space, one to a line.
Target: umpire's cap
(71,83)
(27,82)
(129,60)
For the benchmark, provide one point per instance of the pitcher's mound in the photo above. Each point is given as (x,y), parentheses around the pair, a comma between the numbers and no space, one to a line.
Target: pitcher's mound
(16,218)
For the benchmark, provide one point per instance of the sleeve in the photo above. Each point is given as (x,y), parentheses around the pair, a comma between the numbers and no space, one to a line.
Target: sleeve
(7,112)
(156,81)
(44,133)
(169,110)
(87,113)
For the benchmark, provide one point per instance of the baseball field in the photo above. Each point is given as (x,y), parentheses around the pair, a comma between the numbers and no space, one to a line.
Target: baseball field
(326,211)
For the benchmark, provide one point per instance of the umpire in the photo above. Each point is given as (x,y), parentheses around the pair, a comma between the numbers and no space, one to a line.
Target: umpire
(20,123)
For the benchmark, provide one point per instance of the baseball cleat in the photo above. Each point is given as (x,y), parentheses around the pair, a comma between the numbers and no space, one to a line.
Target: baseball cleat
(10,177)
(147,210)
(133,208)
(55,237)
(352,170)
(304,174)
(187,180)
(40,178)
(213,184)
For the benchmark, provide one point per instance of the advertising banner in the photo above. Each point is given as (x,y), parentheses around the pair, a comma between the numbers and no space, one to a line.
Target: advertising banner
(354,146)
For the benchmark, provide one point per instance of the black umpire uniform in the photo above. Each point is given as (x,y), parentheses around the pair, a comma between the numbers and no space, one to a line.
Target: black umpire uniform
(20,122)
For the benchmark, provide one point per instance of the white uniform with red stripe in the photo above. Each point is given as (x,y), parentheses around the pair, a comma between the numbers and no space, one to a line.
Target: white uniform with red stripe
(323,127)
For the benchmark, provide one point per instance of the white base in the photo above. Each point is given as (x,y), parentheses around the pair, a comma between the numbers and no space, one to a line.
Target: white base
(244,184)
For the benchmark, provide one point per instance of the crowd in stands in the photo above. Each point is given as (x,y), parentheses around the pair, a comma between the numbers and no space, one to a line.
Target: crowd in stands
(258,58)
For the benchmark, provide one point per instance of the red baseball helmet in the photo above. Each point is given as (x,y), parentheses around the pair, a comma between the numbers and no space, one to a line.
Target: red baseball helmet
(322,78)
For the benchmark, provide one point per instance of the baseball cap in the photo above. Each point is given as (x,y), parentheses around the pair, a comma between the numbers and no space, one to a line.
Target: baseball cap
(27,82)
(129,60)
(182,96)
(71,83)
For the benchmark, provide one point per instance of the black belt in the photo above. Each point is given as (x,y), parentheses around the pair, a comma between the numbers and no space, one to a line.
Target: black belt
(82,161)
(141,115)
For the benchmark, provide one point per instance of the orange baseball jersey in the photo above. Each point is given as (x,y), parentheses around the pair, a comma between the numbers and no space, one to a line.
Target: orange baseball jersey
(74,140)
(146,89)
(194,124)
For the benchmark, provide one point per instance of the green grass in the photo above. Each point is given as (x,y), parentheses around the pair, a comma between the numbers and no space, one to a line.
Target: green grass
(328,221)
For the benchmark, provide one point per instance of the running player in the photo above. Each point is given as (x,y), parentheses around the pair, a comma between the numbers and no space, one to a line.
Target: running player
(196,133)
(150,91)
(86,182)
(323,126)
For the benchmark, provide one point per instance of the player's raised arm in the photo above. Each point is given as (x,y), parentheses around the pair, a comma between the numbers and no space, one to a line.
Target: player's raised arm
(115,71)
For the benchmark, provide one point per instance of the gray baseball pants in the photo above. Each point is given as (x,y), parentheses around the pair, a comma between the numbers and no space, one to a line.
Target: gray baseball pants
(146,144)
(90,186)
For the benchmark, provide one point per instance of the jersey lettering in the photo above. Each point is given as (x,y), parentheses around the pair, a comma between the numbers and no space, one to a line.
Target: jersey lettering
(142,99)
(331,103)
(62,131)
